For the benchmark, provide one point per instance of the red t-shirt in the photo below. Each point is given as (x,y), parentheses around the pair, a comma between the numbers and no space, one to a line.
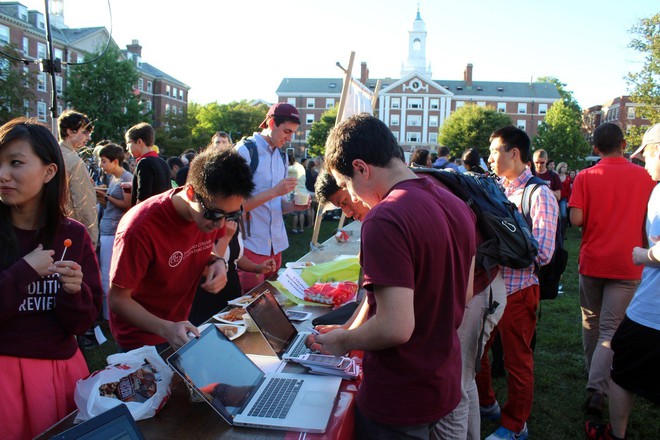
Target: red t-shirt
(160,256)
(565,188)
(419,237)
(612,196)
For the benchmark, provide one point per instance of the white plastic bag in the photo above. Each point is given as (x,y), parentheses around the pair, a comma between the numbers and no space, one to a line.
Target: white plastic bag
(91,403)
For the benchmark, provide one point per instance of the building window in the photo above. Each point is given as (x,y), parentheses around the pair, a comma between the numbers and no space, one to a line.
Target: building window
(26,46)
(460,104)
(57,53)
(140,84)
(150,86)
(310,102)
(149,105)
(481,103)
(26,107)
(501,107)
(412,136)
(41,50)
(543,109)
(396,135)
(433,121)
(41,82)
(539,122)
(434,104)
(167,109)
(167,90)
(181,94)
(433,138)
(291,101)
(522,108)
(522,124)
(309,118)
(329,102)
(414,120)
(631,113)
(58,84)
(4,34)
(174,92)
(174,109)
(41,111)
(415,103)
(394,119)
(59,109)
(395,103)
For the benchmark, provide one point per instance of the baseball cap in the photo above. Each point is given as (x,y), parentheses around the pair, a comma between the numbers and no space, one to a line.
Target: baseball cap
(652,136)
(281,109)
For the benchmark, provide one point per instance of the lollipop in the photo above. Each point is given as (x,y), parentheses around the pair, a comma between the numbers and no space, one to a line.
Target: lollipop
(67,244)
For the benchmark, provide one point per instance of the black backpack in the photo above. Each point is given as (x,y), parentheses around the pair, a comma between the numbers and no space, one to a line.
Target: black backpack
(549,274)
(251,145)
(508,240)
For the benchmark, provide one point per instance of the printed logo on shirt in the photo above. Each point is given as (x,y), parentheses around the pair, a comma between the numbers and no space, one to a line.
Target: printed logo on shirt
(41,295)
(176,258)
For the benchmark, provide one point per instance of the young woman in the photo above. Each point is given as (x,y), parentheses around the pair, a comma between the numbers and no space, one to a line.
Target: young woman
(562,170)
(51,288)
(472,161)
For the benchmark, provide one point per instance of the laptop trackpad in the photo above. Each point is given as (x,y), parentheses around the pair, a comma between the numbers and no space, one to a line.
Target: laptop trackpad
(314,398)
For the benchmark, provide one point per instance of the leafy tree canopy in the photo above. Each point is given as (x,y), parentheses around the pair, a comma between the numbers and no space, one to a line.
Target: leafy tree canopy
(236,118)
(470,127)
(318,134)
(105,91)
(566,95)
(15,86)
(561,136)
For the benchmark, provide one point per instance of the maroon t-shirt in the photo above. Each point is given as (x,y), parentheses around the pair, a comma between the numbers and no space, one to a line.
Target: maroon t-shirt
(419,237)
(551,178)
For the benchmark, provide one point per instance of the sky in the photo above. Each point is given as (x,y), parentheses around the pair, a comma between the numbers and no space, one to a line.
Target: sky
(228,50)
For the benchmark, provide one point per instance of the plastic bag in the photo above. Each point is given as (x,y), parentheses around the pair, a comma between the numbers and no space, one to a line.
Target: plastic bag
(331,293)
(139,378)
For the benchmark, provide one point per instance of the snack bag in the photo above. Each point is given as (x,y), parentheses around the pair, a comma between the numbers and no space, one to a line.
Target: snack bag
(139,378)
(331,293)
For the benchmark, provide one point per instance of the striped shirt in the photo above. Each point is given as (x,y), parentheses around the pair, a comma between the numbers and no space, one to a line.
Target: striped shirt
(544,212)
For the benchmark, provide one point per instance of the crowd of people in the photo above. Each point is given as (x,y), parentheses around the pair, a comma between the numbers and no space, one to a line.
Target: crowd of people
(157,246)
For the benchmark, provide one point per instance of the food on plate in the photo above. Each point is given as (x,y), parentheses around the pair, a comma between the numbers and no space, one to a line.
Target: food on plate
(229,330)
(233,315)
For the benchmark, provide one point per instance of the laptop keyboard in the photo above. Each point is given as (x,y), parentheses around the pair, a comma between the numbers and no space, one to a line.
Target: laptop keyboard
(276,400)
(299,348)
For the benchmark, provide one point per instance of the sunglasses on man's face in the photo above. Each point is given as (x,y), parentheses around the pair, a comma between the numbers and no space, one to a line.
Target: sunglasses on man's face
(211,214)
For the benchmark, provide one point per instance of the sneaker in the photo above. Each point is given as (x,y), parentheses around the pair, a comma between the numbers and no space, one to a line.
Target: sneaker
(490,412)
(600,431)
(506,434)
(594,404)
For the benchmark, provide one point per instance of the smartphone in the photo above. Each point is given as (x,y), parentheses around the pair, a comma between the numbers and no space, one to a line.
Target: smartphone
(321,359)
(295,315)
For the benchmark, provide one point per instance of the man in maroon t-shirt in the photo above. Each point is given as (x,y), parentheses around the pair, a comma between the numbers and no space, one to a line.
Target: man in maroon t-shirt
(416,279)
(544,173)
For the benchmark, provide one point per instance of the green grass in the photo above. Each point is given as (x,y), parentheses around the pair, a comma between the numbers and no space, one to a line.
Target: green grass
(560,376)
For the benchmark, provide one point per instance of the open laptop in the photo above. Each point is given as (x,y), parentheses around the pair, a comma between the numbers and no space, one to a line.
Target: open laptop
(244,396)
(276,327)
(115,423)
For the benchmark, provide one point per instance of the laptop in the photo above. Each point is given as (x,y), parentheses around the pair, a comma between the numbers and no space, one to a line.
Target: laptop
(116,423)
(277,328)
(243,395)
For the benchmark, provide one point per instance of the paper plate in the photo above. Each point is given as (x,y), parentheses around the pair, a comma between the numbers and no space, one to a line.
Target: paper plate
(242,301)
(221,317)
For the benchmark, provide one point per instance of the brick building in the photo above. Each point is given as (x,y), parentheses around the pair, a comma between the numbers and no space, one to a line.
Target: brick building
(415,106)
(26,31)
(620,111)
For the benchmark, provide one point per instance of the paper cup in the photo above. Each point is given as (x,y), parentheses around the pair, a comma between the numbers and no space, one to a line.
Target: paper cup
(301,198)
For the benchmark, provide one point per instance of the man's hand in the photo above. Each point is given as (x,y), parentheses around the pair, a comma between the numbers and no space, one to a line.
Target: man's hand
(331,342)
(216,277)
(266,267)
(176,333)
(285,186)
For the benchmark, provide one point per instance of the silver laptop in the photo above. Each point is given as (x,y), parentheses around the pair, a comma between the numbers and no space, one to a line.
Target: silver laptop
(244,396)
(276,327)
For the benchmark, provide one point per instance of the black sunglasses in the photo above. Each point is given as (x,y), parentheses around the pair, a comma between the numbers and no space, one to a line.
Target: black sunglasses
(210,214)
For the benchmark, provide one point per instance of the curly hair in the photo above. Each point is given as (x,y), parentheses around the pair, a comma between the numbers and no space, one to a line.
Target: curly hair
(220,173)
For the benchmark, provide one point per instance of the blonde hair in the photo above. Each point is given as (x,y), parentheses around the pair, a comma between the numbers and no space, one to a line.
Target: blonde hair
(562,164)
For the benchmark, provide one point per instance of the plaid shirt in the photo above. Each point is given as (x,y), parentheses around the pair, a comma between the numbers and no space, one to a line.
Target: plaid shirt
(544,212)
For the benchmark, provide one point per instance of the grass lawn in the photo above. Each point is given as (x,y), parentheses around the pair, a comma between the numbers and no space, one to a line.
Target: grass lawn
(560,376)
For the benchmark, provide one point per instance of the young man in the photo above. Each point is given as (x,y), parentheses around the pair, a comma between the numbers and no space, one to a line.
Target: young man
(221,140)
(75,130)
(636,343)
(266,236)
(609,201)
(509,153)
(442,161)
(411,320)
(152,174)
(546,174)
(163,245)
(327,190)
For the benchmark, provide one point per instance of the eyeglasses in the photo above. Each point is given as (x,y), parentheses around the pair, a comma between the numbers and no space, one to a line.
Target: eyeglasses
(211,214)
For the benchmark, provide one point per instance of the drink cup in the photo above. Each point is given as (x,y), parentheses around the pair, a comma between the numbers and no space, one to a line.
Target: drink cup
(300,198)
(127,186)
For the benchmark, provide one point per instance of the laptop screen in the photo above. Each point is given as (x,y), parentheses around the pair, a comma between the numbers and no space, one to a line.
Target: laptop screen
(225,377)
(273,323)
(116,423)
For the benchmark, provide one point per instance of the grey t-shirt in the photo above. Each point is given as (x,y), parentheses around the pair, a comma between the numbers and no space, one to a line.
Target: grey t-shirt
(112,214)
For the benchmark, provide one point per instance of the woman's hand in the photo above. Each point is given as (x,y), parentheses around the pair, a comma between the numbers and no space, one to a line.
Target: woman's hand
(40,260)
(71,275)
(266,267)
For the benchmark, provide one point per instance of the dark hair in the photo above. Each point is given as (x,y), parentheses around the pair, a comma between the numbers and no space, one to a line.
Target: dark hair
(45,146)
(73,120)
(220,172)
(608,137)
(325,187)
(142,131)
(472,160)
(112,152)
(443,151)
(361,136)
(419,157)
(279,120)
(175,161)
(292,159)
(221,134)
(513,137)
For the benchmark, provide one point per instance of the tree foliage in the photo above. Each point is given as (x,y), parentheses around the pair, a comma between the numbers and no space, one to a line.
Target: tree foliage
(560,134)
(173,134)
(236,118)
(105,91)
(566,95)
(470,127)
(15,86)
(318,134)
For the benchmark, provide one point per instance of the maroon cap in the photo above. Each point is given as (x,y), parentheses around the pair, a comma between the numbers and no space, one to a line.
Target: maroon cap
(282,109)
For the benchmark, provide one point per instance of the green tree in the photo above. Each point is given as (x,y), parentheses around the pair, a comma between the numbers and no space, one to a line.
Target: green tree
(645,84)
(318,134)
(566,95)
(470,127)
(174,134)
(15,86)
(561,136)
(105,91)
(236,118)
